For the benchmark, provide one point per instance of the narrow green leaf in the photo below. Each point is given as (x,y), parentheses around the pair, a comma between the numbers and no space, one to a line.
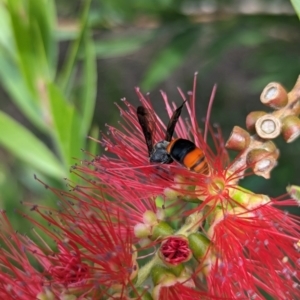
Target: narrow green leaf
(77,141)
(28,148)
(24,45)
(42,15)
(170,58)
(296,5)
(62,114)
(66,72)
(14,84)
(89,89)
(5,32)
(66,125)
(32,59)
(32,33)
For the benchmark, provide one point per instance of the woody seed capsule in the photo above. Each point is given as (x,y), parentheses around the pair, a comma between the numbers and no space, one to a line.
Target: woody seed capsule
(274,95)
(252,118)
(268,127)
(239,139)
(262,161)
(290,128)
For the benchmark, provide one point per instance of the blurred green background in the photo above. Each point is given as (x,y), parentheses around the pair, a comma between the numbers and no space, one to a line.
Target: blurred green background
(63,65)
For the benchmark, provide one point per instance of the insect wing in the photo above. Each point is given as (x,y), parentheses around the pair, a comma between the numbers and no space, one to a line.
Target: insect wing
(147,123)
(172,123)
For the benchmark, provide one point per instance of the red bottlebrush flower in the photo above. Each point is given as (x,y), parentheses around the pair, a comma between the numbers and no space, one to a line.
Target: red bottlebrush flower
(254,253)
(18,278)
(242,245)
(95,256)
(67,267)
(216,193)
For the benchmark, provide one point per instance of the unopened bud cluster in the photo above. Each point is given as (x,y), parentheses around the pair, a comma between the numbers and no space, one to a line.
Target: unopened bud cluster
(257,151)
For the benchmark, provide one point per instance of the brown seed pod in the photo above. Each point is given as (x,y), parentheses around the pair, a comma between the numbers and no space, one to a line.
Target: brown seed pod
(274,95)
(270,147)
(268,127)
(252,118)
(239,139)
(262,161)
(290,128)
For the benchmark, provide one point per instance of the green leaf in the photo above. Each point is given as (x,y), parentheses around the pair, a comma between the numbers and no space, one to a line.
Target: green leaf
(89,89)
(66,73)
(28,148)
(77,141)
(66,123)
(170,58)
(24,45)
(16,87)
(296,5)
(28,61)
(32,34)
(42,19)
(62,114)
(32,31)
(5,32)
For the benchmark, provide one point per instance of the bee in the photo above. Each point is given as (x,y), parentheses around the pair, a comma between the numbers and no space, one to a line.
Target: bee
(168,150)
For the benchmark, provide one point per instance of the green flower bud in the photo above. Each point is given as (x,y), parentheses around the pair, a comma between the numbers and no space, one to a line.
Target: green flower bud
(199,244)
(161,230)
(46,295)
(159,273)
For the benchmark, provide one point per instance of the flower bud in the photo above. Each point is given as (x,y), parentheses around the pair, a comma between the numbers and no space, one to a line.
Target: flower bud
(159,272)
(239,139)
(171,194)
(270,147)
(161,230)
(160,214)
(262,161)
(141,294)
(290,128)
(268,127)
(142,230)
(257,200)
(68,297)
(175,250)
(274,95)
(252,118)
(294,192)
(177,270)
(149,217)
(134,252)
(199,244)
(45,295)
(246,198)
(167,282)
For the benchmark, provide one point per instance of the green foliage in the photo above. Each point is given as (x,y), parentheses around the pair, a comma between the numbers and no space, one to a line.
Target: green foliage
(29,74)
(57,103)
(296,4)
(25,146)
